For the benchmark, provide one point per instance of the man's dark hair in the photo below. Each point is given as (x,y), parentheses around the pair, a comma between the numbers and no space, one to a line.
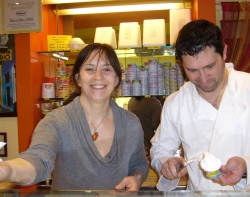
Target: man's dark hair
(197,35)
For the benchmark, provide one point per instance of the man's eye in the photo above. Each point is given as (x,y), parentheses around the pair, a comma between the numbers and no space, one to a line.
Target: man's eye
(210,66)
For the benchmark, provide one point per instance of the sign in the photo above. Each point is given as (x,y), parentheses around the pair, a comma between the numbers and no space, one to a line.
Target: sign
(58,42)
(1,17)
(22,16)
(5,55)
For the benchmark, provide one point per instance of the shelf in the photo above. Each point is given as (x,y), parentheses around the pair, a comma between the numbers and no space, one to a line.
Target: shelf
(8,114)
(51,99)
(147,95)
(121,53)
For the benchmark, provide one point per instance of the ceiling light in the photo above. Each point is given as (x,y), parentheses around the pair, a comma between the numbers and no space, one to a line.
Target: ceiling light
(122,8)
(66,1)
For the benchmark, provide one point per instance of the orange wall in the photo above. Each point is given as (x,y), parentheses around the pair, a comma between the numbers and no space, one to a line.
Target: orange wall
(30,75)
(204,9)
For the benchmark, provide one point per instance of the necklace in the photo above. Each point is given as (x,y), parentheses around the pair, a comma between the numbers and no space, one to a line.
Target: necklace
(95,133)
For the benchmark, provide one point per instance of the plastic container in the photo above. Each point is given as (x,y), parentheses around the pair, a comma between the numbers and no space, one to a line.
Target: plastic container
(76,44)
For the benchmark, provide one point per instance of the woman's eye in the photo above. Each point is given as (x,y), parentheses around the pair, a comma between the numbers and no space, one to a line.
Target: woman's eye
(89,69)
(106,69)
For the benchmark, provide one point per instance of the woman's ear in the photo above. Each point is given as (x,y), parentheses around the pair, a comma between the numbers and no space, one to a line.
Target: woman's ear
(225,52)
(77,79)
(116,81)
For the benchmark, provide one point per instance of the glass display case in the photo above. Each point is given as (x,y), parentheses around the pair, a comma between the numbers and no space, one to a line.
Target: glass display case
(152,71)
(146,71)
(146,193)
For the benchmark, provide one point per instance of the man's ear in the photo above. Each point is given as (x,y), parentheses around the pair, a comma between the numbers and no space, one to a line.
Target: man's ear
(225,52)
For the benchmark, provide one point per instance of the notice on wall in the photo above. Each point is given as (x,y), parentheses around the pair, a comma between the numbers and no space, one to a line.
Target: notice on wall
(1,25)
(58,42)
(22,16)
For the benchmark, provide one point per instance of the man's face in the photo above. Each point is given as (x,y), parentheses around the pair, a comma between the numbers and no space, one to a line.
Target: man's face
(205,69)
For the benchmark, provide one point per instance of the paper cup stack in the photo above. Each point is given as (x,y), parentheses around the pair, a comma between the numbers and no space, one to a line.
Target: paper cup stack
(48,90)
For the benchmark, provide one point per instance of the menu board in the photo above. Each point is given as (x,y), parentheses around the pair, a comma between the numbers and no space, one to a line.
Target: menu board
(22,16)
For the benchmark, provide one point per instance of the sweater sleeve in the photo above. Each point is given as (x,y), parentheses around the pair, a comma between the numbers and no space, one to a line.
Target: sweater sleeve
(43,148)
(138,161)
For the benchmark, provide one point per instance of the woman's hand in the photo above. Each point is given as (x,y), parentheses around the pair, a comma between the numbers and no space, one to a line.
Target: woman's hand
(129,183)
(17,171)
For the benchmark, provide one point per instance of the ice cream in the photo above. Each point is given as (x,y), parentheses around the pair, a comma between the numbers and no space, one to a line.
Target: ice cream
(211,165)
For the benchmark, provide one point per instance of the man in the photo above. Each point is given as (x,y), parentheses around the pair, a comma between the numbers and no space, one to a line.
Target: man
(210,113)
(148,110)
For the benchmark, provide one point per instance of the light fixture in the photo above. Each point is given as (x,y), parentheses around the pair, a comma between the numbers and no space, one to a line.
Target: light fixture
(122,53)
(121,8)
(58,56)
(66,1)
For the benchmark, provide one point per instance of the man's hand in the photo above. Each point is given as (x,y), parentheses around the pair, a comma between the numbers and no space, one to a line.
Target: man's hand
(169,168)
(232,172)
(130,183)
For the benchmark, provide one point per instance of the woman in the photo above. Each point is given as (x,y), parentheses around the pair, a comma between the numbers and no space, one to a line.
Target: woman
(90,143)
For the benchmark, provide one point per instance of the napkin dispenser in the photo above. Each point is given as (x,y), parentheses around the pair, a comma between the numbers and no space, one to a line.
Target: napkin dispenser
(129,35)
(178,18)
(154,33)
(106,35)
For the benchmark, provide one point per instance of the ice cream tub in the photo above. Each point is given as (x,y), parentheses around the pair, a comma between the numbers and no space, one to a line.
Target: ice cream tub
(212,175)
(210,166)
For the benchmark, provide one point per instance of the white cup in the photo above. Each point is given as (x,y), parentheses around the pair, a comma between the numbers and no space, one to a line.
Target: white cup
(48,90)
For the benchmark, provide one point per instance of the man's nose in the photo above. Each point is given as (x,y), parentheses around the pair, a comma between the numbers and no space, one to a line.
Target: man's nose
(203,76)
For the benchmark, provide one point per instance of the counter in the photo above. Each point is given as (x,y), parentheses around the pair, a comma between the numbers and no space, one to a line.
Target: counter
(152,179)
(50,193)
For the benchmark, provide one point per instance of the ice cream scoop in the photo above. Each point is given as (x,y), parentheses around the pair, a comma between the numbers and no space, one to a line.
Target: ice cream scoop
(193,159)
(210,165)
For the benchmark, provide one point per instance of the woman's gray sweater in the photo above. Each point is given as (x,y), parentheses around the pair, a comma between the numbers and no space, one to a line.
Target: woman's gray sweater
(62,142)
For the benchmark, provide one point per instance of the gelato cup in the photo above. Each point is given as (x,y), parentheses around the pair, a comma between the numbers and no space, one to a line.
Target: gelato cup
(210,166)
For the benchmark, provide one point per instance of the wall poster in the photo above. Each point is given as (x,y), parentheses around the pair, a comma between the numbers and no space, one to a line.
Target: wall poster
(22,16)
(3,150)
(7,76)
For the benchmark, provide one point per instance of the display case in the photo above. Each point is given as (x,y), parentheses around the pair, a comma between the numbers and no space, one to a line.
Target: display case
(146,193)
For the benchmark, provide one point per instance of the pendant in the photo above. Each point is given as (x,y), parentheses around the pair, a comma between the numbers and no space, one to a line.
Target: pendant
(94,136)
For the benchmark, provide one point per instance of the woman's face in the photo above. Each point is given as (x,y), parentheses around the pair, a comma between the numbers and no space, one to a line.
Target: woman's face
(97,78)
